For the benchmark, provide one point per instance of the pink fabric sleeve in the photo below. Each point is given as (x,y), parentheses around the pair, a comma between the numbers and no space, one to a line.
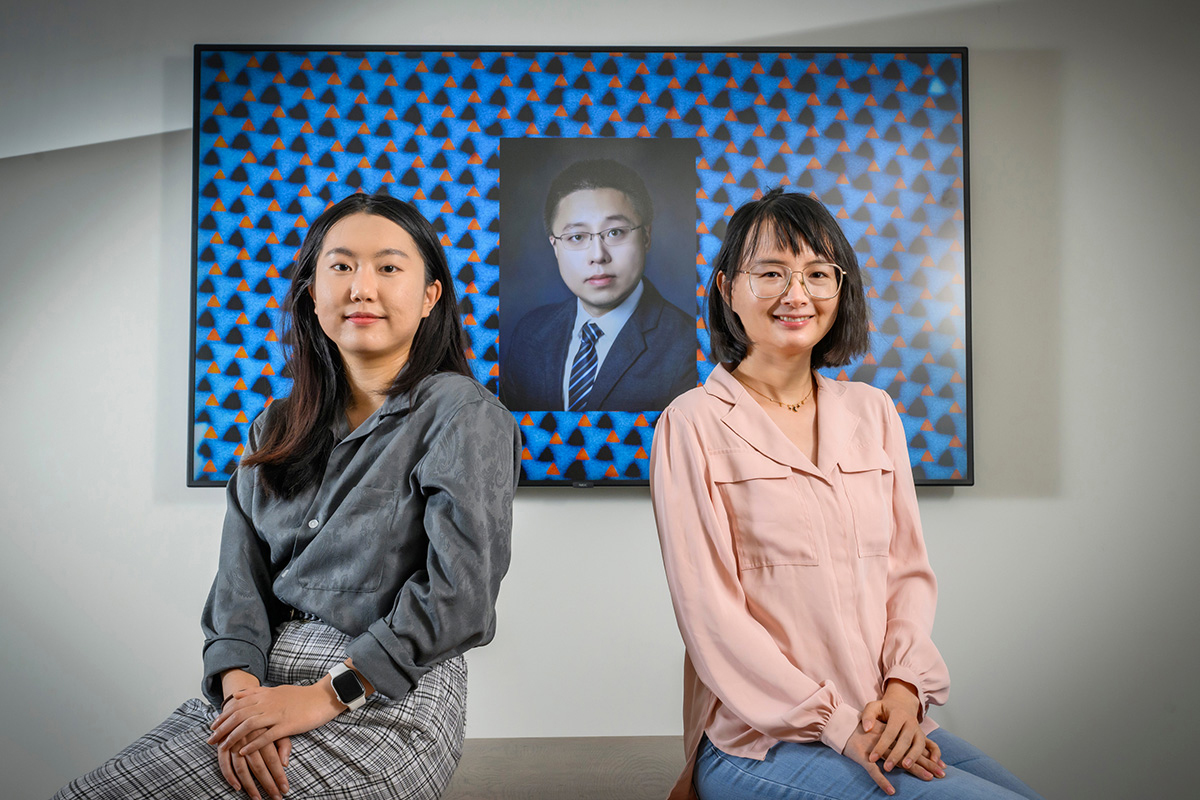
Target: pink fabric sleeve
(733,654)
(908,650)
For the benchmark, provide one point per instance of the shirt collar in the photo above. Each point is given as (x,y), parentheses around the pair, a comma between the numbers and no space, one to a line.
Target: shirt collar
(835,423)
(612,322)
(340,427)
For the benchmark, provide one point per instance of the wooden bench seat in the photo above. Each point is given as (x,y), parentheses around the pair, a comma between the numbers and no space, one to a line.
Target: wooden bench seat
(568,768)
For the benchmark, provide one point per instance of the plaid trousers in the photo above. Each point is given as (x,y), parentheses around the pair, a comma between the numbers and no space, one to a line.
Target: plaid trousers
(385,750)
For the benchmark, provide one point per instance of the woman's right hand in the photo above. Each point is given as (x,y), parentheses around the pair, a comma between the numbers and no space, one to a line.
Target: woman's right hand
(861,743)
(265,766)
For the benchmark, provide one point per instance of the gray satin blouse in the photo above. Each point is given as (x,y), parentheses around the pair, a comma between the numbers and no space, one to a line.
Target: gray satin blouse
(401,545)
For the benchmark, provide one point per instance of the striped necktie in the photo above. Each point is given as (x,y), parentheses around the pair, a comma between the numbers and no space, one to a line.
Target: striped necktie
(583,368)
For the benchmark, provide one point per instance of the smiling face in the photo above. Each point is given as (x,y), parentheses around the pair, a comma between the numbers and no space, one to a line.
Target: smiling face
(369,290)
(784,327)
(601,275)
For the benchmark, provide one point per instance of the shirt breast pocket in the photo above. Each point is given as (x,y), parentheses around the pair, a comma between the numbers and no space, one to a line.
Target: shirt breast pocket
(767,513)
(867,479)
(346,555)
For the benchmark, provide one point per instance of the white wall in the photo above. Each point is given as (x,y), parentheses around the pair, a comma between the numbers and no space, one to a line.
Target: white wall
(1068,612)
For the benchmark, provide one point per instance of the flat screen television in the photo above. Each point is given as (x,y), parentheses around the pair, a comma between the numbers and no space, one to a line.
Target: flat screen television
(475,138)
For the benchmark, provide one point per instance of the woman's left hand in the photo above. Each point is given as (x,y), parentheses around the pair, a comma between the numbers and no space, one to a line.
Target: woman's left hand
(258,716)
(902,741)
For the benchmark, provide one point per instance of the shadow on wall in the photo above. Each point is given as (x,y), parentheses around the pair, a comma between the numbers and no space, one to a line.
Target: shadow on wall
(175,317)
(1016,291)
(1016,282)
(175,321)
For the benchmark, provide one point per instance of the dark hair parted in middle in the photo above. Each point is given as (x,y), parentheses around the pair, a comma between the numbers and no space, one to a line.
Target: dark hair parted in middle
(598,173)
(296,442)
(791,221)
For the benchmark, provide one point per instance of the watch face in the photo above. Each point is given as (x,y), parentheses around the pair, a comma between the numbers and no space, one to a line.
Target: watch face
(348,687)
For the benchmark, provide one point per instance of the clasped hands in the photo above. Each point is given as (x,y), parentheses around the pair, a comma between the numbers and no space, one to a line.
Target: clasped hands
(252,732)
(889,730)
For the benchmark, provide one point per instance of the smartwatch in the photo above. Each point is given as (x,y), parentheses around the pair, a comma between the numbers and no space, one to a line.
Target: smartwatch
(348,688)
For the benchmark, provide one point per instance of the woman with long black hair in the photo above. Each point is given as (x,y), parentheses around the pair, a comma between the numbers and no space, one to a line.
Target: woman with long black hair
(366,535)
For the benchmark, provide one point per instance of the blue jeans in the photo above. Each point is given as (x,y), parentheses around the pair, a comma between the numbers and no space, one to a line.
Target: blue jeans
(813,771)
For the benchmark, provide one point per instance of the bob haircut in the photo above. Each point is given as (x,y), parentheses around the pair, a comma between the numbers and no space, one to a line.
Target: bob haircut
(296,441)
(598,173)
(792,221)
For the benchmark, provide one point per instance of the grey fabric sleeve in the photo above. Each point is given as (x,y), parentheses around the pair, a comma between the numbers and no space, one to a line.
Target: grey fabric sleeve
(468,478)
(235,620)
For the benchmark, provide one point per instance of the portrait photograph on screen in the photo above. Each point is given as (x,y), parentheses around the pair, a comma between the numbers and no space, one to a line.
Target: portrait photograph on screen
(604,231)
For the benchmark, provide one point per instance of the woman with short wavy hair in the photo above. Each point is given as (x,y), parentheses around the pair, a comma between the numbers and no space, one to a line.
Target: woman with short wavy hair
(788,521)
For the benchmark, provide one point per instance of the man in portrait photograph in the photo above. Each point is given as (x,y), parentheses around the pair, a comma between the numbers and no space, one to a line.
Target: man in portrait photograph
(616,344)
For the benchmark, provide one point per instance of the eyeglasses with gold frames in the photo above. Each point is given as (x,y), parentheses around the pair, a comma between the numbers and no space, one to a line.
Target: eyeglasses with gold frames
(821,281)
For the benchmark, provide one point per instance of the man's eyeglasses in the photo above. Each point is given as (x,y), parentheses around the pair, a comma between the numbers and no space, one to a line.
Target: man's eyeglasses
(821,281)
(609,237)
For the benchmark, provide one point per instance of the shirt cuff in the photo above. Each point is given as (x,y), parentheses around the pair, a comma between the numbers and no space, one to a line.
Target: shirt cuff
(840,725)
(909,676)
(376,663)
(226,654)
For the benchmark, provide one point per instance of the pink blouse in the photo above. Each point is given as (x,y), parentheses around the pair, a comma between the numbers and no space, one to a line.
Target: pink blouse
(799,589)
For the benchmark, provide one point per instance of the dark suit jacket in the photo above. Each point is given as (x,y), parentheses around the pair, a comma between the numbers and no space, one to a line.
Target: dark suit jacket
(651,362)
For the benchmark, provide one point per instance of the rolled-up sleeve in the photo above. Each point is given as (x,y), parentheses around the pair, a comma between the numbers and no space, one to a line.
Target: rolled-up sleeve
(235,620)
(909,654)
(467,479)
(731,651)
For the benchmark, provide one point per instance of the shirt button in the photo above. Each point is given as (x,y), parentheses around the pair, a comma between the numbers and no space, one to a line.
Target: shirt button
(312,523)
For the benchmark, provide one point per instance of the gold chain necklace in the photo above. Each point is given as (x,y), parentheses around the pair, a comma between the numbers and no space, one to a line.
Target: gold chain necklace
(793,407)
